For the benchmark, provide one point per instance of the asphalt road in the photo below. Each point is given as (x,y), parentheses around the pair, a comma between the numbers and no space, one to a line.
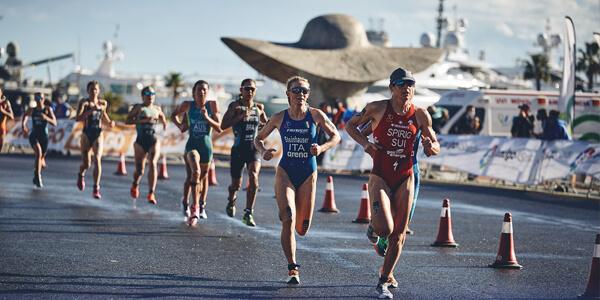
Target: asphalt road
(58,242)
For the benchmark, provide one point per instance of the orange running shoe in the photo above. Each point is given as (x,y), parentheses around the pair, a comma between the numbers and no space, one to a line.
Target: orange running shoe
(134,191)
(151,198)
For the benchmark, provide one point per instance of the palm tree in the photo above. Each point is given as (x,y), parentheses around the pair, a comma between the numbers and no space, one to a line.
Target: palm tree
(589,62)
(174,81)
(537,68)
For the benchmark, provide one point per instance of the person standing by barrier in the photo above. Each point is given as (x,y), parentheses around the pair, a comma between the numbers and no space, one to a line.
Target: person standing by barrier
(555,128)
(202,116)
(522,125)
(92,111)
(244,116)
(41,115)
(6,113)
(296,174)
(146,147)
(396,123)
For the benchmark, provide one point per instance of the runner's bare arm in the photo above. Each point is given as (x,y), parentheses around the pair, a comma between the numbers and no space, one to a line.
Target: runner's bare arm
(162,118)
(132,115)
(359,119)
(215,120)
(259,141)
(24,120)
(431,146)
(263,115)
(7,111)
(49,116)
(82,114)
(105,116)
(323,121)
(231,116)
(177,113)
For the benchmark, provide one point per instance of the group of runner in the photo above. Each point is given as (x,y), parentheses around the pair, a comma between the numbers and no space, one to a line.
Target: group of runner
(396,124)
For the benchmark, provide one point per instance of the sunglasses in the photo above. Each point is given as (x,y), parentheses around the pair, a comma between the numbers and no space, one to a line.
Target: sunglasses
(37,97)
(299,89)
(149,93)
(402,82)
(249,88)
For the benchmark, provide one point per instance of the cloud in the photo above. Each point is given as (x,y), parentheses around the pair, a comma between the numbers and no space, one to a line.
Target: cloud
(504,29)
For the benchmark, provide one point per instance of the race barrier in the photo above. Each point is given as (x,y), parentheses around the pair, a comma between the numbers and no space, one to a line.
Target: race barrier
(65,137)
(519,160)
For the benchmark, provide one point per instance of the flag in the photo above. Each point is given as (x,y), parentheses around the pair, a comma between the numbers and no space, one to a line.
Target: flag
(566,99)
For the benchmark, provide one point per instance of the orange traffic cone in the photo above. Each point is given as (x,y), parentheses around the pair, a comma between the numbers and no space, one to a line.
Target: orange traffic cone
(121,169)
(506,258)
(364,212)
(212,174)
(162,172)
(445,238)
(329,201)
(592,290)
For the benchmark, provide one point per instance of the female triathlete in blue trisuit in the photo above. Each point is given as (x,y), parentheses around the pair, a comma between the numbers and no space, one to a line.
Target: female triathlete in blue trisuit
(296,176)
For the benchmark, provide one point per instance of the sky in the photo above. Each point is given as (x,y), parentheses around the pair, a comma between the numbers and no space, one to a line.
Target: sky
(183,36)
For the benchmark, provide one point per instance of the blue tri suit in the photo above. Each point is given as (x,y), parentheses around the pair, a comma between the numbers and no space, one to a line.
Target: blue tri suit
(297,136)
(416,172)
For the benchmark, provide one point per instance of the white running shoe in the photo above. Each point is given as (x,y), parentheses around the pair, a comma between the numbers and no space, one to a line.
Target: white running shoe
(203,214)
(383,291)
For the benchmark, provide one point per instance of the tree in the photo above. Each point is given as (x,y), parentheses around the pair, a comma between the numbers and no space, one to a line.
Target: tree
(115,105)
(589,62)
(174,81)
(537,68)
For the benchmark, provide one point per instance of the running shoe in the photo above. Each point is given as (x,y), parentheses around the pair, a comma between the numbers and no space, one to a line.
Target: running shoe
(373,238)
(80,182)
(293,276)
(248,219)
(381,246)
(134,191)
(37,181)
(383,290)
(202,214)
(151,198)
(186,208)
(193,218)
(391,280)
(409,231)
(230,209)
(96,193)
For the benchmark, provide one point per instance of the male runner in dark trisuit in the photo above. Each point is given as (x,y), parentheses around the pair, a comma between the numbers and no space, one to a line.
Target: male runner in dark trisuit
(245,116)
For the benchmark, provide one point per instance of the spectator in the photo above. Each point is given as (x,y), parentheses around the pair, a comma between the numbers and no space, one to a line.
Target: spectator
(439,117)
(470,123)
(326,108)
(522,125)
(538,127)
(338,120)
(555,128)
(62,110)
(322,137)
